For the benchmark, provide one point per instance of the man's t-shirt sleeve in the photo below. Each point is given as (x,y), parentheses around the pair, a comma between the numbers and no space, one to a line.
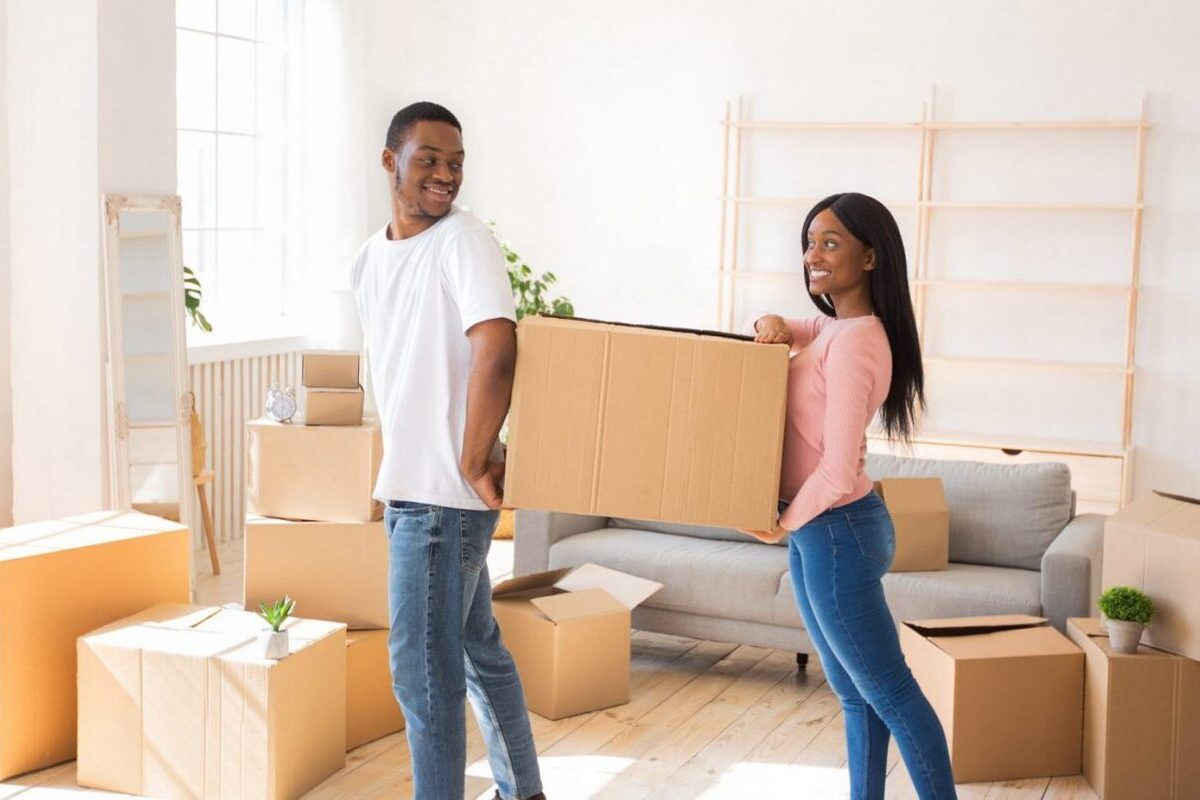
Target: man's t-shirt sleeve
(475,275)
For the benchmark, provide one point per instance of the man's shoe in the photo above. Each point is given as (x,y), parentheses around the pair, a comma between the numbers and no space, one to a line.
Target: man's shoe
(538,796)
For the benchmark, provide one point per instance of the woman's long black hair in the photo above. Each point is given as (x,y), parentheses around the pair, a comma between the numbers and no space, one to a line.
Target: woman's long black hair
(869,221)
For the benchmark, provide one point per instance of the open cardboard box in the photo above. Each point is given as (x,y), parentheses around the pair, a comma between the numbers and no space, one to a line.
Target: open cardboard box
(918,510)
(1141,719)
(175,702)
(1008,691)
(568,631)
(649,423)
(1153,544)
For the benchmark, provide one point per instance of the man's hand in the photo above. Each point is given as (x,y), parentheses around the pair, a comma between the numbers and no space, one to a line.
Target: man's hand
(776,534)
(771,329)
(488,483)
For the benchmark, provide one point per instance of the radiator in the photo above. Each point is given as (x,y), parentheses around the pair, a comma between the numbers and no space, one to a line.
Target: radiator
(228,394)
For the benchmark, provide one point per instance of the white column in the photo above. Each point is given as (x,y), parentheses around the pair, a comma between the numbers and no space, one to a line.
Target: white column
(5,291)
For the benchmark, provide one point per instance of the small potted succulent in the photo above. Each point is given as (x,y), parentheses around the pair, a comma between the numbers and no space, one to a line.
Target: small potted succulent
(274,642)
(1127,612)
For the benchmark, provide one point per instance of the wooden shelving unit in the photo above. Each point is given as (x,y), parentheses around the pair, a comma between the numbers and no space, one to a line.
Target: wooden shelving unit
(1102,471)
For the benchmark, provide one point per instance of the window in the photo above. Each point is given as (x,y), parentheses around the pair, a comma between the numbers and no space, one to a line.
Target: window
(231,67)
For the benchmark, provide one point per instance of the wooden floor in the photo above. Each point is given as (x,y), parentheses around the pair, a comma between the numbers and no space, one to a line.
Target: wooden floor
(707,720)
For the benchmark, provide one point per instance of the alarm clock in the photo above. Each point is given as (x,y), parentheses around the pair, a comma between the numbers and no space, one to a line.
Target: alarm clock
(281,403)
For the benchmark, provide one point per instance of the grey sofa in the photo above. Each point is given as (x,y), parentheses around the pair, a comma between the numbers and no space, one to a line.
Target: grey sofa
(1016,547)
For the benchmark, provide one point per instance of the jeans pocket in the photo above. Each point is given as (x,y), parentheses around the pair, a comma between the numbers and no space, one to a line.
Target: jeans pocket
(398,514)
(476,527)
(875,536)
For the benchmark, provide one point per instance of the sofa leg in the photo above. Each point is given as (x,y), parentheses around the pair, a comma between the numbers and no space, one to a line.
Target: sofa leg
(802,661)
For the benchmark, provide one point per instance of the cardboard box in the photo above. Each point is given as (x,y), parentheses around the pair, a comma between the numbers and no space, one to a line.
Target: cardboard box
(333,570)
(332,406)
(568,631)
(1008,690)
(624,421)
(1141,719)
(330,369)
(371,707)
(922,521)
(1153,544)
(58,580)
(313,472)
(175,703)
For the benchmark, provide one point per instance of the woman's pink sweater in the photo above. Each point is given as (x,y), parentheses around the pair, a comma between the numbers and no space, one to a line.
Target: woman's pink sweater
(837,380)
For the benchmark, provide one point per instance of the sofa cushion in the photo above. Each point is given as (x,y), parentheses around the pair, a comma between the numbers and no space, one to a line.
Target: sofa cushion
(963,590)
(680,529)
(1003,515)
(744,580)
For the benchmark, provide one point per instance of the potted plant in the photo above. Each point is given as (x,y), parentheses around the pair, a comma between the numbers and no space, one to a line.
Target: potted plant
(1127,611)
(274,642)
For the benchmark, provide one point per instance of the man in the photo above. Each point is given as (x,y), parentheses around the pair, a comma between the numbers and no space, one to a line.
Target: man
(438,318)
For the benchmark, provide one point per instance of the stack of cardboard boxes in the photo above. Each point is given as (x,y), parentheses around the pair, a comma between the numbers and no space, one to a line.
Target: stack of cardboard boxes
(314,532)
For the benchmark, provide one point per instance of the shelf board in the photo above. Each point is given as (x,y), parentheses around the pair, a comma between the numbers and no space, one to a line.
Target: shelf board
(1025,285)
(1018,363)
(805,201)
(1019,442)
(148,357)
(145,295)
(153,423)
(1047,125)
(1027,206)
(823,126)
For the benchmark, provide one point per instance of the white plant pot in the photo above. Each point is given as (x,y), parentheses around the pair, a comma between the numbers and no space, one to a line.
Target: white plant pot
(273,644)
(1124,636)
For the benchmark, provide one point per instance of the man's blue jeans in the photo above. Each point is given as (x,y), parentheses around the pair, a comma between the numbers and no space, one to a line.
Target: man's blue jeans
(837,561)
(445,645)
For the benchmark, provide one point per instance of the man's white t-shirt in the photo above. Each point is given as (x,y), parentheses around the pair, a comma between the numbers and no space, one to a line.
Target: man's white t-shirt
(416,299)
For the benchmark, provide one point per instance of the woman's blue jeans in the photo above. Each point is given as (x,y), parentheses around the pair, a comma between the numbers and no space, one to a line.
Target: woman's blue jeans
(837,561)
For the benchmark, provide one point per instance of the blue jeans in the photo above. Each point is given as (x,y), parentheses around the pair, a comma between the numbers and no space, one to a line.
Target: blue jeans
(445,646)
(837,561)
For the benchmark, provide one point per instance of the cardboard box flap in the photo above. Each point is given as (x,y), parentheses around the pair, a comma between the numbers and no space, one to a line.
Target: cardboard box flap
(553,319)
(1161,512)
(972,626)
(578,605)
(524,583)
(630,590)
(1008,643)
(911,495)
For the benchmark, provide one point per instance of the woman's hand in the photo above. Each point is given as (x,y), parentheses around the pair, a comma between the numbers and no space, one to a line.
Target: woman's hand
(776,534)
(771,329)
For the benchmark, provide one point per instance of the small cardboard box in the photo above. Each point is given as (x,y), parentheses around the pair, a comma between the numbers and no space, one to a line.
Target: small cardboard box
(1153,544)
(175,702)
(333,570)
(371,708)
(58,580)
(922,521)
(1008,690)
(1141,719)
(323,406)
(330,369)
(313,472)
(624,421)
(568,631)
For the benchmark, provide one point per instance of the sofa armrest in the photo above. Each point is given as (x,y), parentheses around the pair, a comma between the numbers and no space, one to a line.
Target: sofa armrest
(536,531)
(1071,570)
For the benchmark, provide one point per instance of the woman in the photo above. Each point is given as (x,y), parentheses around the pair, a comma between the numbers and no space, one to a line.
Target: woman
(861,358)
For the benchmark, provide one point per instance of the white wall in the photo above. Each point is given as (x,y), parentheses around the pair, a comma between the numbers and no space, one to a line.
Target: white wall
(592,136)
(91,105)
(5,291)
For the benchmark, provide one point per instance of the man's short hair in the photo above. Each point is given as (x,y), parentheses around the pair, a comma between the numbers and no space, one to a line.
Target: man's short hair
(410,115)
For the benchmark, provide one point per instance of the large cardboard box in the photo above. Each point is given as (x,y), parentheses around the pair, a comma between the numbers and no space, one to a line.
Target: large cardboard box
(1008,690)
(660,424)
(313,472)
(1141,720)
(333,570)
(371,707)
(331,369)
(323,406)
(175,702)
(922,521)
(568,631)
(1154,545)
(58,580)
